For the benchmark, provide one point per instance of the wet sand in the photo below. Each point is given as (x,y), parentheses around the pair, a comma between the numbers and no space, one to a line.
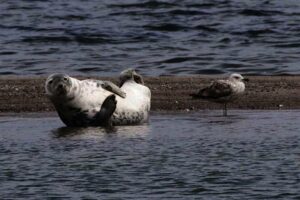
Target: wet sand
(169,93)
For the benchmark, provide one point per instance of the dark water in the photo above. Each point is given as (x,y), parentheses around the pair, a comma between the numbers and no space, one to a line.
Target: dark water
(91,37)
(250,155)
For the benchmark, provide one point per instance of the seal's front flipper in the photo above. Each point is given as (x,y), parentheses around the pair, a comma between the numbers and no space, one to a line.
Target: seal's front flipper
(109,86)
(102,118)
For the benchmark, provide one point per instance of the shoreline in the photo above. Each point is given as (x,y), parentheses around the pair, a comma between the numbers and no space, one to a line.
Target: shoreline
(169,93)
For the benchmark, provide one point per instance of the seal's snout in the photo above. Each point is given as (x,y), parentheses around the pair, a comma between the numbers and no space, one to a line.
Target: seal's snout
(61,88)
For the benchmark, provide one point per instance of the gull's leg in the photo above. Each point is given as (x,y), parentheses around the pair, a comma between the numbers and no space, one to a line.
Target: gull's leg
(225,109)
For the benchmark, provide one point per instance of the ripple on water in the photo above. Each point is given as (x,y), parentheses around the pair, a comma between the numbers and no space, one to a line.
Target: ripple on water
(241,32)
(250,154)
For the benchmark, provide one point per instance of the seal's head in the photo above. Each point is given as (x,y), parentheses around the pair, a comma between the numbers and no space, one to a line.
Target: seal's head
(58,85)
(237,77)
(130,74)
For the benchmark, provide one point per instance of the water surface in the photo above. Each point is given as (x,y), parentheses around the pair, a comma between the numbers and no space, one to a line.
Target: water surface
(248,155)
(157,37)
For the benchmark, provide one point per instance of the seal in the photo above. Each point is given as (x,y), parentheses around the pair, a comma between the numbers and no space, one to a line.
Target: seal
(92,102)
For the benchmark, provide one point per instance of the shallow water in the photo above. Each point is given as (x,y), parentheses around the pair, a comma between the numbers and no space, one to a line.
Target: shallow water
(250,154)
(157,37)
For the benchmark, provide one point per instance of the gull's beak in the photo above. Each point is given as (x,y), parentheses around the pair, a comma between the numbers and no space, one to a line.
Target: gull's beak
(246,79)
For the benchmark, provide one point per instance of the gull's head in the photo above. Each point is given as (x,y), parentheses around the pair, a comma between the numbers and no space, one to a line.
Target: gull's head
(58,85)
(237,77)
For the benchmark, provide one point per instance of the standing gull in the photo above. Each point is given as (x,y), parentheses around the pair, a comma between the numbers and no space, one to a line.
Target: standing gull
(223,91)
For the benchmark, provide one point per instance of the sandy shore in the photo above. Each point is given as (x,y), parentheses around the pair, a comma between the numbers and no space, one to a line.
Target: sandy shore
(26,94)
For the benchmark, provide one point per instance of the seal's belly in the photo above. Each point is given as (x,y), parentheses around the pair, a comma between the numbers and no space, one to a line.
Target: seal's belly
(134,109)
(130,118)
(81,110)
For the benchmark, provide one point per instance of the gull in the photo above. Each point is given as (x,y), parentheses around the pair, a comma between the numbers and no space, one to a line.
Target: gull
(223,91)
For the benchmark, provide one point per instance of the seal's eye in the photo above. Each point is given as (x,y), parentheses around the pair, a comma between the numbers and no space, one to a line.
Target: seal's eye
(50,82)
(65,78)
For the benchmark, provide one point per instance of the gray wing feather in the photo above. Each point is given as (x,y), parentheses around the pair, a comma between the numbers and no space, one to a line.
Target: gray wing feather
(215,90)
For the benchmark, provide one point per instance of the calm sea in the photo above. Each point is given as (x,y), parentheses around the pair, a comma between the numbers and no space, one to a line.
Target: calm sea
(248,155)
(158,37)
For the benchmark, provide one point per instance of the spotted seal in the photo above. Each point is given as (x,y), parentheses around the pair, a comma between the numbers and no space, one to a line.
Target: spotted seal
(99,103)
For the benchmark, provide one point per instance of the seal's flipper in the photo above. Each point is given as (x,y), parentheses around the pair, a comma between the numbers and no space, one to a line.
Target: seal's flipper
(109,86)
(138,78)
(130,74)
(102,118)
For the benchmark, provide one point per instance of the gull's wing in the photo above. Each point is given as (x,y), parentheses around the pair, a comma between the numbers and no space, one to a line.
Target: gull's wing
(217,89)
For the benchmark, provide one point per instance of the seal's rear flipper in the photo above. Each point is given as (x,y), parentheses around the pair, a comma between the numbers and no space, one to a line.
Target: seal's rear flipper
(102,118)
(130,74)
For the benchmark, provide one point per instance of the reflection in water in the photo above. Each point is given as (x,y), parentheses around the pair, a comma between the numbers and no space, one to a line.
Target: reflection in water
(222,120)
(98,132)
(75,131)
(248,155)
